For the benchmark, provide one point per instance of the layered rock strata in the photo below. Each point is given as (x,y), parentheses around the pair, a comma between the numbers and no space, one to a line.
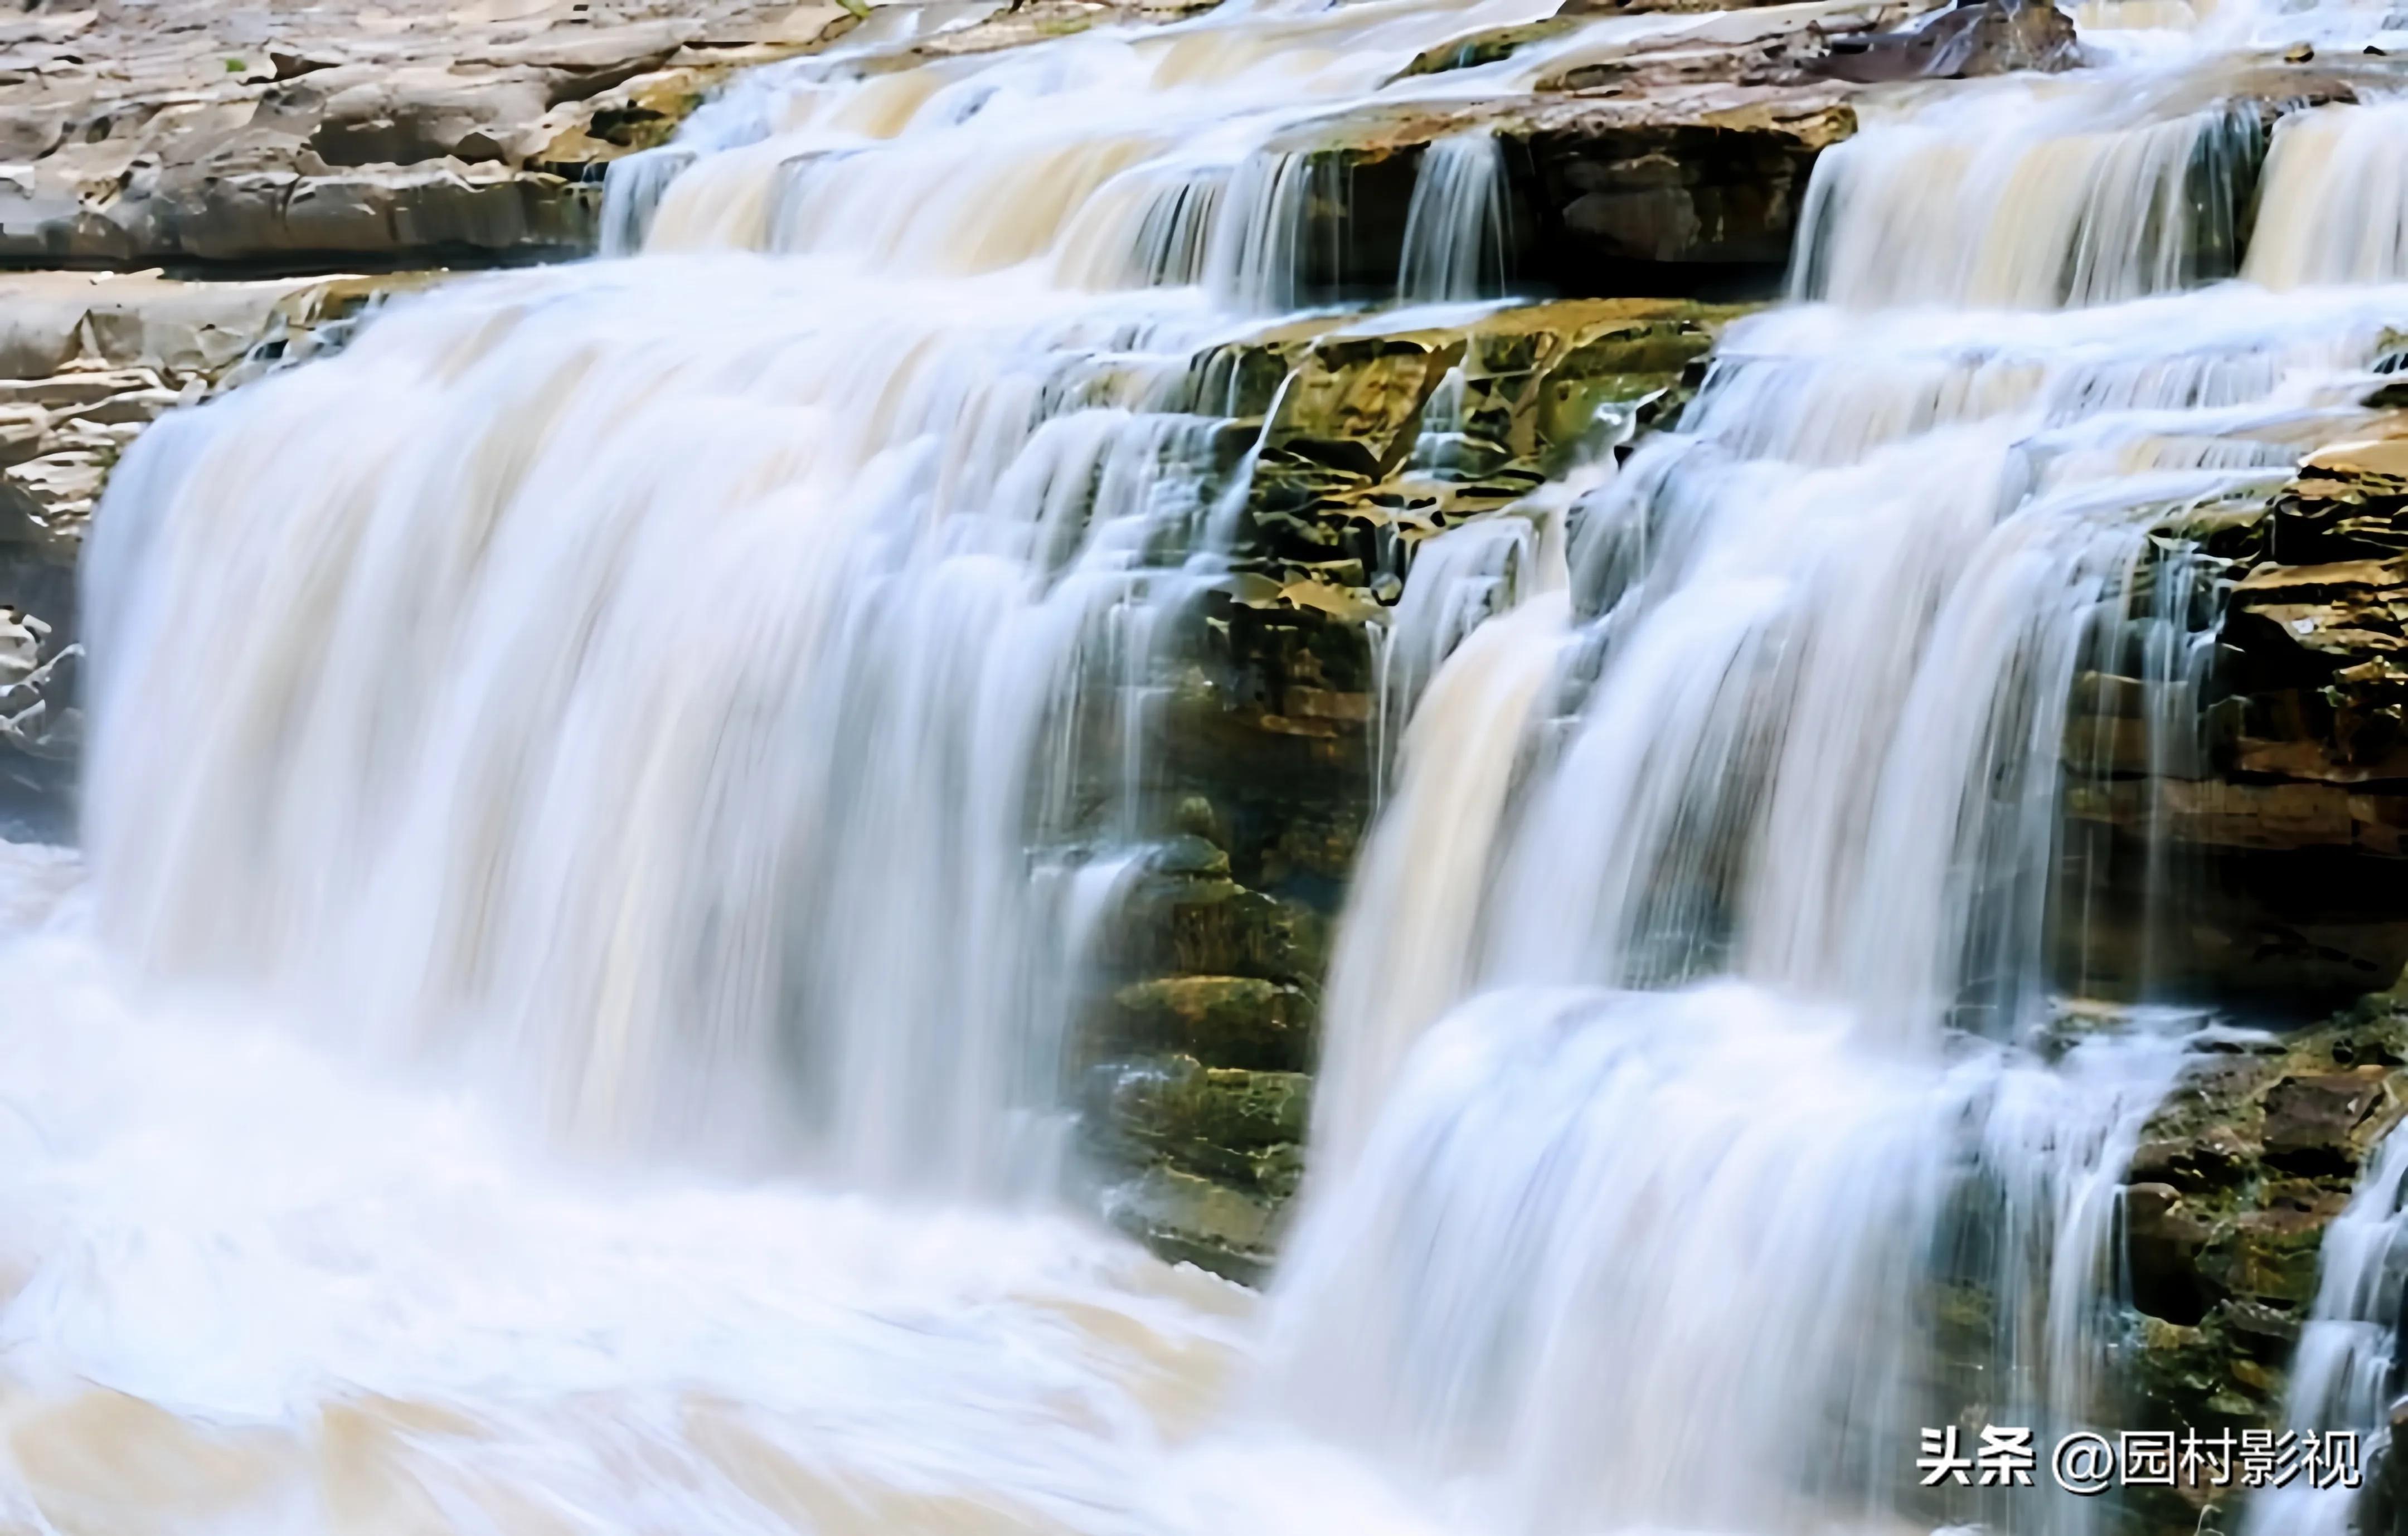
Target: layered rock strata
(2236,1180)
(1200,1042)
(87,362)
(2282,802)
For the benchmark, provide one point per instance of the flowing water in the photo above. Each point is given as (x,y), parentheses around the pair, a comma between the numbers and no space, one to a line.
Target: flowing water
(601,794)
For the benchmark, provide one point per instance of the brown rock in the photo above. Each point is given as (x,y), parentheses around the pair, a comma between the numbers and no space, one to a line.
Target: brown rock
(1981,37)
(2318,1116)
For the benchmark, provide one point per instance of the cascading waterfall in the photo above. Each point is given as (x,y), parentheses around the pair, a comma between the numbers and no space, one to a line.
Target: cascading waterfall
(656,586)
(703,697)
(2030,195)
(635,749)
(1718,800)
(1532,1273)
(1574,1322)
(1460,578)
(1123,157)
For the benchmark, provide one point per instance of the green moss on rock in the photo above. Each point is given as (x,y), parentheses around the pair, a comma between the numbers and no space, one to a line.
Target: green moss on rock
(2236,1180)
(1241,1020)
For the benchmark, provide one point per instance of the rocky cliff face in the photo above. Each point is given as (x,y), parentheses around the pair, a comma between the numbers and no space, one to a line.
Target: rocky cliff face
(203,135)
(1202,1041)
(2280,794)
(2227,1204)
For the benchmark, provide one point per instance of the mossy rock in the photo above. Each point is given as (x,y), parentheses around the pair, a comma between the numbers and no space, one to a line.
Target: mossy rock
(1185,1216)
(1238,1020)
(1230,1123)
(1200,925)
(2229,1195)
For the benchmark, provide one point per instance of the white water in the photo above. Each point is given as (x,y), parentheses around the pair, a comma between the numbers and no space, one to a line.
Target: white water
(2335,208)
(251,1291)
(657,706)
(2028,192)
(683,730)
(1457,238)
(1802,731)
(1682,1283)
(1120,157)
(1776,774)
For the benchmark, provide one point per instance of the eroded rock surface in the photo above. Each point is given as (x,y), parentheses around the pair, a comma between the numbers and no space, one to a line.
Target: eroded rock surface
(1980,38)
(87,362)
(2229,1194)
(1200,1043)
(135,133)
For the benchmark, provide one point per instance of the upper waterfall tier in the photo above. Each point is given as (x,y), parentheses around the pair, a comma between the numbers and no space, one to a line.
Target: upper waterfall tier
(1191,153)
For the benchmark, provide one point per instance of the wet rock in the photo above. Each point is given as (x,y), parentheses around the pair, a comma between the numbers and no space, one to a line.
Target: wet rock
(2312,1122)
(37,716)
(1972,38)
(1705,206)
(2166,1237)
(1492,46)
(1206,926)
(1184,1216)
(23,427)
(2285,816)
(1178,1102)
(1338,498)
(1237,1019)
(2315,639)
(2228,1199)
(1613,186)
(1243,1130)
(97,360)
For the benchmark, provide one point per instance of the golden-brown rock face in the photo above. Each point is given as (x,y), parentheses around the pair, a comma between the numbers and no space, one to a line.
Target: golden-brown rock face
(1341,497)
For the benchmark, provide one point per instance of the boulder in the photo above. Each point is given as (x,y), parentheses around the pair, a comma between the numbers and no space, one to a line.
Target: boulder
(1612,187)
(1187,1218)
(1971,38)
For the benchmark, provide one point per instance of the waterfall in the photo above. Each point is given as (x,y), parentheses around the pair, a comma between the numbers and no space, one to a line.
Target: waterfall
(702,707)
(2333,208)
(1731,956)
(687,729)
(2030,195)
(1772,775)
(1458,235)
(1690,1274)
(1460,577)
